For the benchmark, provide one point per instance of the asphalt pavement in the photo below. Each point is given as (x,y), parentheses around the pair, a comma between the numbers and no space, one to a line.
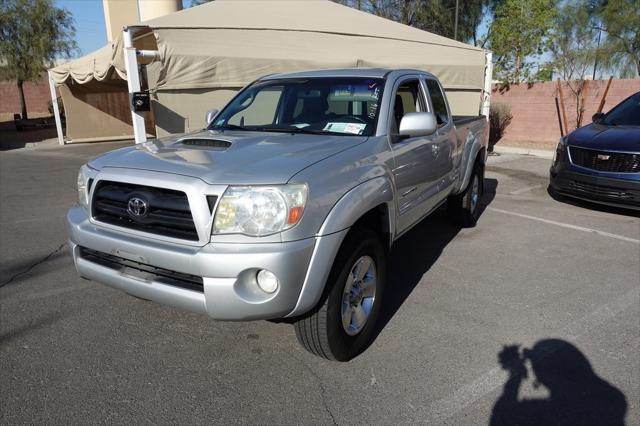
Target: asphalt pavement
(555,283)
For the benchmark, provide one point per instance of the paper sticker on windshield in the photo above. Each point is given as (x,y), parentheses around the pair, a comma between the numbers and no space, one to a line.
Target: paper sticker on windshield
(351,128)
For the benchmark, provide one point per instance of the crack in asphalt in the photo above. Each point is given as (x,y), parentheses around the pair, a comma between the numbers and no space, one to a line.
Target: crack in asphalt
(33,265)
(323,391)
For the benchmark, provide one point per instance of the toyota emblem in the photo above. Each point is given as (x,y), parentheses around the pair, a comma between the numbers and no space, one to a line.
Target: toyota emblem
(137,207)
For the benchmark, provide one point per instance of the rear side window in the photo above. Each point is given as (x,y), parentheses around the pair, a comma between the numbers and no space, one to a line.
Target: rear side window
(439,104)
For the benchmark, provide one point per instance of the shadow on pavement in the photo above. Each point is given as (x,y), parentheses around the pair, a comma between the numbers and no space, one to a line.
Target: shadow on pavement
(417,251)
(577,395)
(10,138)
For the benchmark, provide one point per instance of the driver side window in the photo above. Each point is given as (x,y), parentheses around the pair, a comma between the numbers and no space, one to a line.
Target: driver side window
(407,99)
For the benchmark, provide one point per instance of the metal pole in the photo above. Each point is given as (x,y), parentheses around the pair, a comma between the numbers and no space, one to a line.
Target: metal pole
(455,26)
(133,82)
(56,110)
(488,77)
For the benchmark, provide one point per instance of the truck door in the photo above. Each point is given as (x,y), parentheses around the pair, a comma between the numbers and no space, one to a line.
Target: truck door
(416,184)
(444,142)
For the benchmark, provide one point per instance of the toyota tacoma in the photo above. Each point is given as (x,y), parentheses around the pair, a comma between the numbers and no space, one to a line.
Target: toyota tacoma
(286,205)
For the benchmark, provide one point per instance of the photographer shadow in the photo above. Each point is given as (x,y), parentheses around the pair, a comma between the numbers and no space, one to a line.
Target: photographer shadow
(577,395)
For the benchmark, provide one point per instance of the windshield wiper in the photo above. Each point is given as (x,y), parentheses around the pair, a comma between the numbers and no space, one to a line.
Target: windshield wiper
(297,130)
(230,127)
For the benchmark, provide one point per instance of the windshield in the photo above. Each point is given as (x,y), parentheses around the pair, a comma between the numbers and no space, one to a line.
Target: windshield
(341,106)
(626,113)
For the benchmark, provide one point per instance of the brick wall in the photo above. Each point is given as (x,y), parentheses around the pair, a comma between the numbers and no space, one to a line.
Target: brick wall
(37,96)
(534,110)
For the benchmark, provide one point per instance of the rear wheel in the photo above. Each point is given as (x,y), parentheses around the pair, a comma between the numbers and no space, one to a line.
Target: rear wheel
(344,323)
(464,208)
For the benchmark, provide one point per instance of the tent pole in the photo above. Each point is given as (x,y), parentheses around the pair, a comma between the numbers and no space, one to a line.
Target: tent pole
(488,77)
(56,110)
(133,82)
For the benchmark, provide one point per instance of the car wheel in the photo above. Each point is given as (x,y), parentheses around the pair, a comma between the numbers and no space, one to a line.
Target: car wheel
(343,324)
(464,208)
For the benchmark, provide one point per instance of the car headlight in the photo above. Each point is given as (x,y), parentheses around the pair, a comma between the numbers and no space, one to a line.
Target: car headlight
(558,153)
(86,176)
(259,210)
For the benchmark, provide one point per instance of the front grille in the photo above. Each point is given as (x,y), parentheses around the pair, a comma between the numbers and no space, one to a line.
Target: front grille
(166,211)
(143,271)
(605,161)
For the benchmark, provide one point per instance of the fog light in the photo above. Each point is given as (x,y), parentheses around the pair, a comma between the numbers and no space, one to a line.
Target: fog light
(267,281)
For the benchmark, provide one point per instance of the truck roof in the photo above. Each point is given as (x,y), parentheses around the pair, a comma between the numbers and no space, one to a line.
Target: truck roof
(343,72)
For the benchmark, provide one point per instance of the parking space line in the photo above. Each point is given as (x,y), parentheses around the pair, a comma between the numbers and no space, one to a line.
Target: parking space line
(568,225)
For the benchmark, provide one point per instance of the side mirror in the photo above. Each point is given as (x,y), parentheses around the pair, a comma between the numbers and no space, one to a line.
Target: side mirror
(415,124)
(211,114)
(597,117)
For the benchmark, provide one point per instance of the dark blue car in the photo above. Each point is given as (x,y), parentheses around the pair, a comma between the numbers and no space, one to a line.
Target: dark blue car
(601,162)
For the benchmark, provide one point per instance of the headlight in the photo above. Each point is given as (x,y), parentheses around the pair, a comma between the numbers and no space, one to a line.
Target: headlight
(558,154)
(259,210)
(85,179)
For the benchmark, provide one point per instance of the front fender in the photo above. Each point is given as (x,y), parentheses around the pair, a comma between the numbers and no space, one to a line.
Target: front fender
(358,201)
(351,207)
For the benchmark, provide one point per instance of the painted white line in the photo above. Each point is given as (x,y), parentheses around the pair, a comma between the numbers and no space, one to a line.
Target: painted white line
(439,411)
(525,189)
(567,225)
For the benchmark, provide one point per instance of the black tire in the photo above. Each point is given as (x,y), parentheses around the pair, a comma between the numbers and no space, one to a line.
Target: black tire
(321,332)
(463,211)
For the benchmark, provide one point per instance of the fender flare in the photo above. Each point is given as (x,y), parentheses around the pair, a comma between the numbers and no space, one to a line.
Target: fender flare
(358,201)
(470,160)
(346,212)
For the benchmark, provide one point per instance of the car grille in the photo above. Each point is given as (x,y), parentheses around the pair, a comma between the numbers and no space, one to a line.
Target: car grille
(605,161)
(166,212)
(143,271)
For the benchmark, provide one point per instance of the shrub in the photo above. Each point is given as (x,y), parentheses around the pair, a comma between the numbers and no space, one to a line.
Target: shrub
(499,118)
(60,107)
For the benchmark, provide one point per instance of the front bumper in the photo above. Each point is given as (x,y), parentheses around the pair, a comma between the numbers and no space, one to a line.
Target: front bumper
(591,187)
(227,270)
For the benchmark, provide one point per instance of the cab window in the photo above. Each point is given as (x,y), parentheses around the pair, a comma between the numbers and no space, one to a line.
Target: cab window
(407,99)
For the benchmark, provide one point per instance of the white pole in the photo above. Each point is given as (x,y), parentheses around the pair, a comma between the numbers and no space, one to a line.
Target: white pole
(56,111)
(488,77)
(133,82)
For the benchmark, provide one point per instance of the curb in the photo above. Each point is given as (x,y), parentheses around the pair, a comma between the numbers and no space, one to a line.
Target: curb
(540,153)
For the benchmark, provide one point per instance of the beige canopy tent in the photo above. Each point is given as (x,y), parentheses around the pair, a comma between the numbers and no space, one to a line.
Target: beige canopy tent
(206,53)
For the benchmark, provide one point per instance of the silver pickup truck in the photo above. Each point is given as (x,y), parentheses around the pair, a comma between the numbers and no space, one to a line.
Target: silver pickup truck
(286,205)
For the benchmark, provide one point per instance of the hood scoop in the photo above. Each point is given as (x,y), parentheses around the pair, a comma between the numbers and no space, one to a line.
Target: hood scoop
(217,144)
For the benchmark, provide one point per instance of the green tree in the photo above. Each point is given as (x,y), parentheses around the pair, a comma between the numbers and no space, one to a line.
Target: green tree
(574,40)
(435,16)
(620,50)
(518,34)
(33,33)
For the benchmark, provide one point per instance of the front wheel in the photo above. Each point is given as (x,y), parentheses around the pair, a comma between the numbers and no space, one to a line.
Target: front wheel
(344,323)
(464,208)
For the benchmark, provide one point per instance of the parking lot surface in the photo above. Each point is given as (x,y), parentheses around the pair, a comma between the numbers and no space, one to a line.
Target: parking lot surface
(561,280)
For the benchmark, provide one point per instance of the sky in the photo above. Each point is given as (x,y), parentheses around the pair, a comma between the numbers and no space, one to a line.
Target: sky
(88,16)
